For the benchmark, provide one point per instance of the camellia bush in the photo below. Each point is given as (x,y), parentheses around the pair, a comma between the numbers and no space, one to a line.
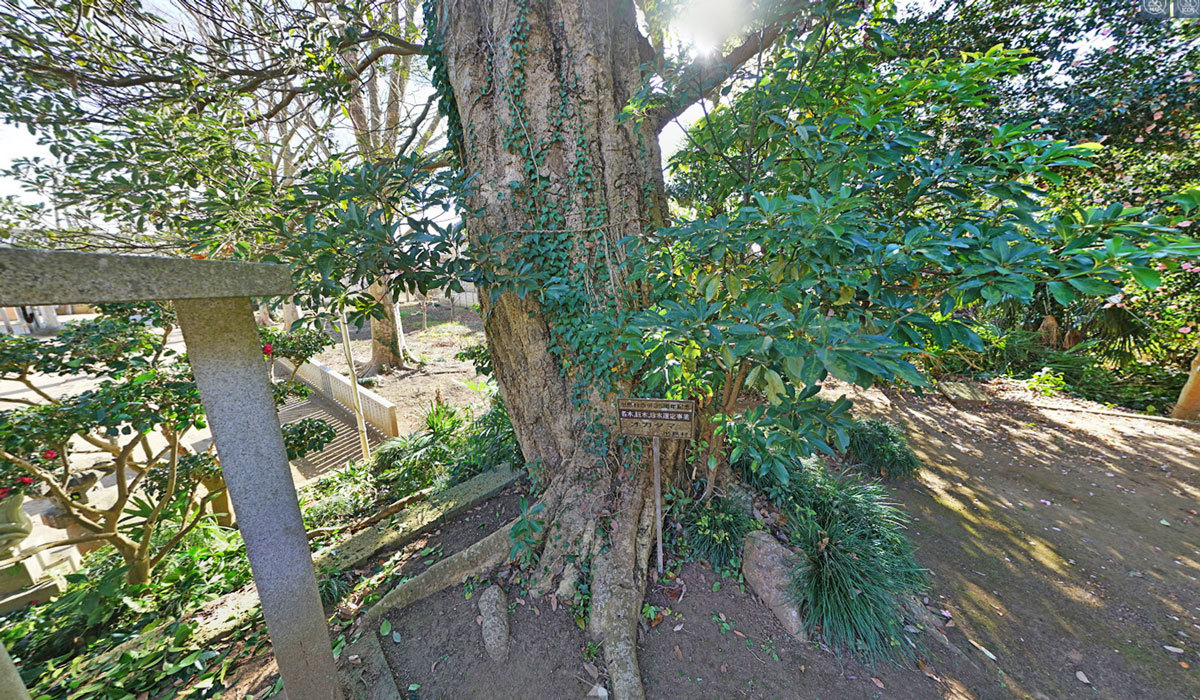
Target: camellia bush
(828,235)
(133,424)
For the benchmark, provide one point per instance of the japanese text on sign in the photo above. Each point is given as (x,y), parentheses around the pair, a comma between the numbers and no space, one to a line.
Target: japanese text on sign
(662,418)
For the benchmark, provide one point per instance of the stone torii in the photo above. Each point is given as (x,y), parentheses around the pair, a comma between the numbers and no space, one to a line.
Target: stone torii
(212,301)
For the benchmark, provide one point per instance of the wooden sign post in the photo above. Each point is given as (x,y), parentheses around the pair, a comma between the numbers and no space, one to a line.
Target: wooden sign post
(656,419)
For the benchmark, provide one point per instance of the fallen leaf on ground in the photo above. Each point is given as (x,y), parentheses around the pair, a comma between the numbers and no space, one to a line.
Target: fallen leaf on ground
(592,670)
(598,691)
(1082,677)
(1173,650)
(678,653)
(982,648)
(724,668)
(877,682)
(354,659)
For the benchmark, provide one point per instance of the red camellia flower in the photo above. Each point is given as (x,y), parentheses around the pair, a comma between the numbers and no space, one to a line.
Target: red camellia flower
(49,454)
(268,349)
(24,480)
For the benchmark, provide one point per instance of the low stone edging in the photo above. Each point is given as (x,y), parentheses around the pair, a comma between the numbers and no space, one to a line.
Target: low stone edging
(237,607)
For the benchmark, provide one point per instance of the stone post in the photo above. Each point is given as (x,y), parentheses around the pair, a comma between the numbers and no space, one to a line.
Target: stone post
(222,344)
(11,685)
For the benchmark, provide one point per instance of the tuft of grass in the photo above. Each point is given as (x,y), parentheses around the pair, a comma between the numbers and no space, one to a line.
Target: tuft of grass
(880,448)
(716,530)
(856,566)
(334,585)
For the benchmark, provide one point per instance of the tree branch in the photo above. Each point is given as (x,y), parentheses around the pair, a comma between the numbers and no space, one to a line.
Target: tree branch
(706,78)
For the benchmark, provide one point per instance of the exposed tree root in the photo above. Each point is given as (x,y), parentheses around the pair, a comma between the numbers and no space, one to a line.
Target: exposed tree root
(618,588)
(480,557)
(619,560)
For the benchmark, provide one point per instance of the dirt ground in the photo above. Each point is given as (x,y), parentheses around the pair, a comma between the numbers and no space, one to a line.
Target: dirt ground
(1061,541)
(447,331)
(255,675)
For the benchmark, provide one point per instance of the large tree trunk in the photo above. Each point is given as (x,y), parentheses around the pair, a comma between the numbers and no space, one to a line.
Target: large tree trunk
(1188,405)
(386,341)
(538,88)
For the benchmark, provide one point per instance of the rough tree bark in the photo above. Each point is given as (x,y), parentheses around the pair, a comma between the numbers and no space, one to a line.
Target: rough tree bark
(386,339)
(582,59)
(539,85)
(1188,405)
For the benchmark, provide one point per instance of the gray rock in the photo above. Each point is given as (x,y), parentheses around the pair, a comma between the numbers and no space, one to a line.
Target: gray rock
(493,606)
(767,566)
(963,394)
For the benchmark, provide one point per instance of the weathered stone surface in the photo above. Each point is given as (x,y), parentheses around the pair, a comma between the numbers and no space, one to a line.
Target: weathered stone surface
(493,606)
(226,357)
(962,393)
(30,277)
(42,593)
(370,678)
(415,520)
(11,686)
(767,566)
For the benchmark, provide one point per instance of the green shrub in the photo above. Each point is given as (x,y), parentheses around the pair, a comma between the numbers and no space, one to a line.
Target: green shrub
(880,448)
(342,495)
(99,610)
(489,442)
(1047,382)
(478,355)
(451,449)
(1142,387)
(1014,353)
(856,566)
(715,531)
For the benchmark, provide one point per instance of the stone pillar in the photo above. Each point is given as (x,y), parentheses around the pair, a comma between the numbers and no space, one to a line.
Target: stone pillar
(11,685)
(49,318)
(222,344)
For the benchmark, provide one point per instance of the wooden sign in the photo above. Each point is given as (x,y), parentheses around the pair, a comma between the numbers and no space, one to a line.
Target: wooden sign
(663,418)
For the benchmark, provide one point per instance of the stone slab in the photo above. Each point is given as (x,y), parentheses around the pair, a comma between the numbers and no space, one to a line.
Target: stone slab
(416,520)
(767,566)
(41,593)
(963,393)
(365,673)
(30,277)
(21,575)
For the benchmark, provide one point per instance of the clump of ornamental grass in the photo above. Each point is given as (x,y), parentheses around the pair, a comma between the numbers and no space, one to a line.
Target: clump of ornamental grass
(880,448)
(856,568)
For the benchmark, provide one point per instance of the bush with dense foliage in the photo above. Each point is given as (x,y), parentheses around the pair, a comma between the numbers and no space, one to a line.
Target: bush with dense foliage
(880,448)
(451,448)
(715,530)
(54,642)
